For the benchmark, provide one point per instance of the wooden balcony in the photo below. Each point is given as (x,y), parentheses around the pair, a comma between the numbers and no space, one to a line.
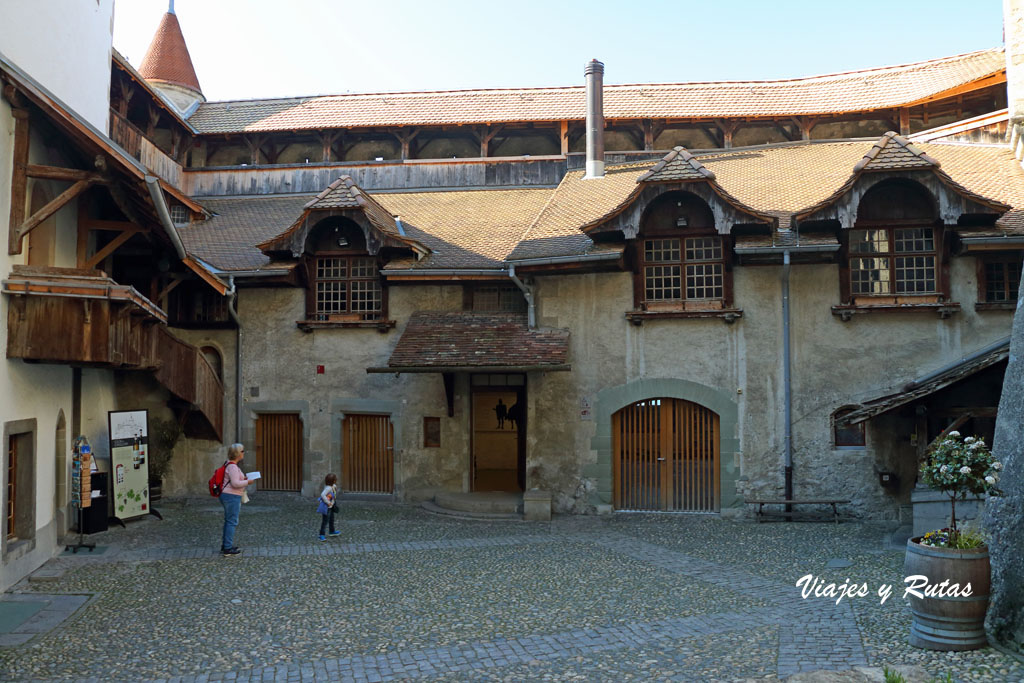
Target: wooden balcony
(81,317)
(67,315)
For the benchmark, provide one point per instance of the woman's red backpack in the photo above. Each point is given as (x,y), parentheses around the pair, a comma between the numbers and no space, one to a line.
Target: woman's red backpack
(217,481)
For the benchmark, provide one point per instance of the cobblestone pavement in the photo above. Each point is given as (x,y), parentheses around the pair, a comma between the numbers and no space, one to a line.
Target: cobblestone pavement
(403,594)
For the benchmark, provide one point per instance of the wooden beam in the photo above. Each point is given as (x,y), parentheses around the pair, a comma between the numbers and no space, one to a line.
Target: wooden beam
(648,127)
(19,179)
(154,118)
(58,173)
(82,241)
(109,249)
(177,280)
(405,137)
(956,424)
(51,208)
(102,224)
(904,121)
(563,137)
(485,136)
(727,128)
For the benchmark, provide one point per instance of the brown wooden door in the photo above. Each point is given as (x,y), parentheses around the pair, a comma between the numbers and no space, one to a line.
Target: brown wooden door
(367,454)
(665,456)
(279,451)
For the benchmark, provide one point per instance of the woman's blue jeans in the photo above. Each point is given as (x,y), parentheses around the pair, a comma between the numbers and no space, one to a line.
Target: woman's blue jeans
(232,504)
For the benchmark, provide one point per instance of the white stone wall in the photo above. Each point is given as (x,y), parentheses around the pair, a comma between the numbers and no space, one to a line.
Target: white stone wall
(65,46)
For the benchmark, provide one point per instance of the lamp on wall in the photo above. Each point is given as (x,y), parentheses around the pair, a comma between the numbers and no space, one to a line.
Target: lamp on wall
(681,222)
(342,241)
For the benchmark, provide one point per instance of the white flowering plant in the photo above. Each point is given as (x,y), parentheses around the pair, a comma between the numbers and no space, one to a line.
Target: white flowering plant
(960,465)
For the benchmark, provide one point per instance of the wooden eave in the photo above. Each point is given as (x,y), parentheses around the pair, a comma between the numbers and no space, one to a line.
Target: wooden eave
(74,283)
(131,73)
(205,275)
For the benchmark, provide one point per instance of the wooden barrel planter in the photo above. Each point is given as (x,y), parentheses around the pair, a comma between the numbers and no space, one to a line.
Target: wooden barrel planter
(950,622)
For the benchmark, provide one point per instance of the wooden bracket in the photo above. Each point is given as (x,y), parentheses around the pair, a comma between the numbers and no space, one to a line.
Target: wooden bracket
(106,251)
(42,214)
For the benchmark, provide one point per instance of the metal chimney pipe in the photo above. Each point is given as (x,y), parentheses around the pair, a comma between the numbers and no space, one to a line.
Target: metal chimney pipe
(594,73)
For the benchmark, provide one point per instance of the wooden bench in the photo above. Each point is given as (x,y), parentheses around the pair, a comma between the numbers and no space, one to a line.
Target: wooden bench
(762,513)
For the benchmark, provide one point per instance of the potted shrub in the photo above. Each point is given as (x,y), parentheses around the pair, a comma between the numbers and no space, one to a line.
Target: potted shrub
(949,615)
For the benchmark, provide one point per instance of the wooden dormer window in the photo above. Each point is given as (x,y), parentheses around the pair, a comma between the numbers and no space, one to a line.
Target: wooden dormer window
(344,280)
(682,261)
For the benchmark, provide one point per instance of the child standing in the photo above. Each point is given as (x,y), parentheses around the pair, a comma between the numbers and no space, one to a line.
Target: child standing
(328,505)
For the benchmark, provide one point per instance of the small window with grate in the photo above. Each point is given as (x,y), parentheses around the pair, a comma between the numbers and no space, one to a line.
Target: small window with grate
(498,298)
(1001,280)
(844,434)
(180,215)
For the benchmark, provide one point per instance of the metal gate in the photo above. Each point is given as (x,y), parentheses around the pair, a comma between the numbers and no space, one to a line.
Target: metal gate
(367,450)
(279,451)
(665,457)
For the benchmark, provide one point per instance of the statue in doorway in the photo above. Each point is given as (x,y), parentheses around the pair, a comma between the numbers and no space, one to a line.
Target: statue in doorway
(501,411)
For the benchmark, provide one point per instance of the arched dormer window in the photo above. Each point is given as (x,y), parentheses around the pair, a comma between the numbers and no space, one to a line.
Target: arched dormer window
(344,279)
(682,261)
(895,249)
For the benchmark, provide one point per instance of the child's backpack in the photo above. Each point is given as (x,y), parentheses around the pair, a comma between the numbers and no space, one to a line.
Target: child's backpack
(217,481)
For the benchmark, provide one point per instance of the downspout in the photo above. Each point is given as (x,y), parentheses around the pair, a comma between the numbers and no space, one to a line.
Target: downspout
(156,193)
(787,384)
(531,310)
(233,312)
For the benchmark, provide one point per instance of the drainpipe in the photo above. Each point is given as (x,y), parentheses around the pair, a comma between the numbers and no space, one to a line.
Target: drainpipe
(156,193)
(531,310)
(787,383)
(233,312)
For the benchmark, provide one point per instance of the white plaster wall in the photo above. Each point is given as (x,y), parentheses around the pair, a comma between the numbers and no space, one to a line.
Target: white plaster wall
(65,46)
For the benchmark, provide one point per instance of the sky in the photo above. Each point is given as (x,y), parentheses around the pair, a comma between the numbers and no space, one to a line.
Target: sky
(245,49)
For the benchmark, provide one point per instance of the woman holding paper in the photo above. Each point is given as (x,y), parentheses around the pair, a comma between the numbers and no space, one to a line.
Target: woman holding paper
(235,482)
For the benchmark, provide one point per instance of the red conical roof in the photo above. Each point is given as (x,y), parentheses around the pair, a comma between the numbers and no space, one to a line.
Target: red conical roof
(167,58)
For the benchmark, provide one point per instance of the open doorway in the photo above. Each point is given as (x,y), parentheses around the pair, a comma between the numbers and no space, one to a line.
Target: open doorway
(499,431)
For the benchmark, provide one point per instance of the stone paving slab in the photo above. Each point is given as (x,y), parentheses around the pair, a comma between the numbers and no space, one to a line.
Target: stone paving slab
(407,595)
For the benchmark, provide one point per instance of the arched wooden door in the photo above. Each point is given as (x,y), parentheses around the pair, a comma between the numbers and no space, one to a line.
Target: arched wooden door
(665,456)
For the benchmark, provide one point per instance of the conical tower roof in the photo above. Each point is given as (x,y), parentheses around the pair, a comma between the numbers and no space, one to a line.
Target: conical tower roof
(167,59)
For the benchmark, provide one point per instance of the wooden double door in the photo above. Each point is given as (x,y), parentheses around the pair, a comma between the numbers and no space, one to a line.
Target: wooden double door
(367,454)
(279,451)
(665,457)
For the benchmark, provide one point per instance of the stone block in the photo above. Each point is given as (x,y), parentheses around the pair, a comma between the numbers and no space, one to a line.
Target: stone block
(537,505)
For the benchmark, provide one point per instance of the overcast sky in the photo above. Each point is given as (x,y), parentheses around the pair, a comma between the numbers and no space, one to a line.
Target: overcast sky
(246,49)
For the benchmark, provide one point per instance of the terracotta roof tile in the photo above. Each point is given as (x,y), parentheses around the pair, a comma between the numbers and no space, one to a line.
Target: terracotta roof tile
(228,240)
(852,91)
(167,58)
(343,193)
(469,339)
(677,165)
(894,152)
(465,228)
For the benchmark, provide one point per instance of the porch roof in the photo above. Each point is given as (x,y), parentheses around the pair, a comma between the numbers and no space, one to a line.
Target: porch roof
(468,341)
(932,382)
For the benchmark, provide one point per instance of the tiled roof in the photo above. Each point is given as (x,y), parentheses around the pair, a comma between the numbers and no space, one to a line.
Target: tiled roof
(481,228)
(577,203)
(894,152)
(465,228)
(851,91)
(343,193)
(167,58)
(468,339)
(228,240)
(677,165)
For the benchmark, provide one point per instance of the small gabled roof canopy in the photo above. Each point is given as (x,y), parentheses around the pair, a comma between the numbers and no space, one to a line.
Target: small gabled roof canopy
(894,153)
(444,341)
(931,383)
(677,165)
(341,196)
(167,59)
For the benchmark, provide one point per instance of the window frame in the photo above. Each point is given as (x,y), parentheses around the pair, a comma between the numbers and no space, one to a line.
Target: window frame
(941,292)
(861,427)
(469,294)
(314,315)
(1010,283)
(684,303)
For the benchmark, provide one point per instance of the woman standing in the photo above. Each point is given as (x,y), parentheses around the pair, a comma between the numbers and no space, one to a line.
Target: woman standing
(231,497)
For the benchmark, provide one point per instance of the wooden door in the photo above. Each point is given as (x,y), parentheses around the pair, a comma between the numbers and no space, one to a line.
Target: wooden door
(665,456)
(367,454)
(279,451)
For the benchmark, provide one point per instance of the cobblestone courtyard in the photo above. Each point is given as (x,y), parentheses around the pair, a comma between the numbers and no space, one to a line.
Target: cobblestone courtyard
(405,594)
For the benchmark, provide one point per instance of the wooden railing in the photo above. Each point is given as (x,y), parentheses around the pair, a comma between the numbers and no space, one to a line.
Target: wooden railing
(188,375)
(67,315)
(126,134)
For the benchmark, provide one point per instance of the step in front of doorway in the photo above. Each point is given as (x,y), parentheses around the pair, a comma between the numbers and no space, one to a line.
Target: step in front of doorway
(486,503)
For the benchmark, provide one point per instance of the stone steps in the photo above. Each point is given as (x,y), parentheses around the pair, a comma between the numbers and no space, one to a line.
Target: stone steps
(490,505)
